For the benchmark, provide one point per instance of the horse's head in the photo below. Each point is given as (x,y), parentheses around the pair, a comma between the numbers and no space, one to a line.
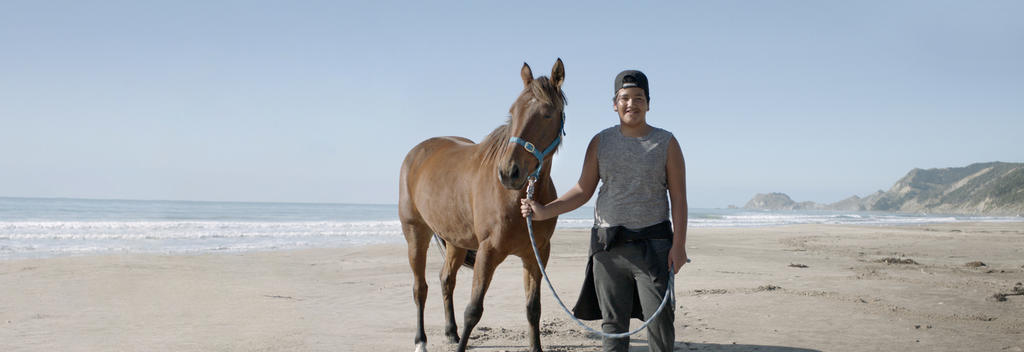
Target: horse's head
(535,126)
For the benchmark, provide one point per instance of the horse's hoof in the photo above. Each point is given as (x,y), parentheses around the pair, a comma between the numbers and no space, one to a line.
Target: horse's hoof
(453,338)
(421,347)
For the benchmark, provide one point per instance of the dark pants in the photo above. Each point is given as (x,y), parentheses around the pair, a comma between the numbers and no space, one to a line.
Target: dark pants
(616,273)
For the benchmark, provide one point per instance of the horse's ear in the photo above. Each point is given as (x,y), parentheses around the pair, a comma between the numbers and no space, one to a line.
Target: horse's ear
(527,75)
(558,73)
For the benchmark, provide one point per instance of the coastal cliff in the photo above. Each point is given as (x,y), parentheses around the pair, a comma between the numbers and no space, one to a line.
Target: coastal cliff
(994,188)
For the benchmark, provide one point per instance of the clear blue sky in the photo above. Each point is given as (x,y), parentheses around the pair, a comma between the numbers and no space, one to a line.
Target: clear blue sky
(320,101)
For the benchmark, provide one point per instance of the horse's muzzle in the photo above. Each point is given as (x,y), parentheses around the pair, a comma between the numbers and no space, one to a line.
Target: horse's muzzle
(512,176)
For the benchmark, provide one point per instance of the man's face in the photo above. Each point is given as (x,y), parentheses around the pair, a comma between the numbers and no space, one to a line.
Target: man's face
(631,104)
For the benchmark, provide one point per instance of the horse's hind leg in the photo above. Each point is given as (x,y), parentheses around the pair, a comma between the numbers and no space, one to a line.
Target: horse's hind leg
(454,257)
(417,235)
(487,259)
(532,278)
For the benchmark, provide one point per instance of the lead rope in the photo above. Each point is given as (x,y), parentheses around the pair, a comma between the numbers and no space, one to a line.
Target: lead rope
(669,291)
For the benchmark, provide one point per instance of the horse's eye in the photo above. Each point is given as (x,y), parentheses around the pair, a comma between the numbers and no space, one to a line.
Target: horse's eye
(547,116)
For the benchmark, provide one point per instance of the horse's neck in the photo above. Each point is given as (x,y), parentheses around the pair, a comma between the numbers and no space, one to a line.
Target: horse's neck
(542,194)
(544,184)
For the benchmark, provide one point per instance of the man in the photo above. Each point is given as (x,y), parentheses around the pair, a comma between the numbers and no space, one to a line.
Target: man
(634,246)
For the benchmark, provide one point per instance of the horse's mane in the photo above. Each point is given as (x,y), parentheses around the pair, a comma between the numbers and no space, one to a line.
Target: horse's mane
(541,89)
(495,142)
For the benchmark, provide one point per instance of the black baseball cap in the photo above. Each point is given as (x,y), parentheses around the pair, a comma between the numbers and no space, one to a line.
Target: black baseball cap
(632,78)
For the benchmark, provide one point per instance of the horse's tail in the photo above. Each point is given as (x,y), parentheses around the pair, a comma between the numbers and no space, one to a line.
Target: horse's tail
(470,254)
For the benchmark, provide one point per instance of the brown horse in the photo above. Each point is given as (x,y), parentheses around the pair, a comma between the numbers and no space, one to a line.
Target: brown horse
(468,194)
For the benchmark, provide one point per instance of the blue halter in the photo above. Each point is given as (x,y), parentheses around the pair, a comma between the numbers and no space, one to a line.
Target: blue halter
(533,149)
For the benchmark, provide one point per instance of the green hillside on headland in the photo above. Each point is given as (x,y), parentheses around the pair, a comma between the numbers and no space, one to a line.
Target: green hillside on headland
(994,188)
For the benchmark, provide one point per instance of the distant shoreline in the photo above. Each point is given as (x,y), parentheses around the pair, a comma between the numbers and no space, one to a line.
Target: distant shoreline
(983,189)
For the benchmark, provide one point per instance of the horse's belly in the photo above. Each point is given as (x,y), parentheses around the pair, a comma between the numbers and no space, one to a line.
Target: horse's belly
(460,236)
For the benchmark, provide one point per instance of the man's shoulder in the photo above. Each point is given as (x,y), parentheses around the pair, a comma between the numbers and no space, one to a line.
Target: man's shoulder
(604,132)
(607,130)
(661,133)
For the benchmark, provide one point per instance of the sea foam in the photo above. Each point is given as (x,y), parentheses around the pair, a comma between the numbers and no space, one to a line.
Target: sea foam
(54,227)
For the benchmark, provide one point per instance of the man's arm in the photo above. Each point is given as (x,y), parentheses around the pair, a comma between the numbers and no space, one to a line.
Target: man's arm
(675,170)
(578,195)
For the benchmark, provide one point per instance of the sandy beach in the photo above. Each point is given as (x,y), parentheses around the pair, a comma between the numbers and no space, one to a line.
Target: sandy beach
(945,287)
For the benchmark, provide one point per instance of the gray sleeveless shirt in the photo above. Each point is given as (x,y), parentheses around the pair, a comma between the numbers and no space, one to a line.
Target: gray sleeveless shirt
(633,181)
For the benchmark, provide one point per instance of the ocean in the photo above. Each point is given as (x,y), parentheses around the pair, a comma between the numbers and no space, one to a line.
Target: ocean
(50,227)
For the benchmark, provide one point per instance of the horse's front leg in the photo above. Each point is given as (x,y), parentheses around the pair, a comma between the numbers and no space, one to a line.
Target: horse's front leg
(487,259)
(454,257)
(531,283)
